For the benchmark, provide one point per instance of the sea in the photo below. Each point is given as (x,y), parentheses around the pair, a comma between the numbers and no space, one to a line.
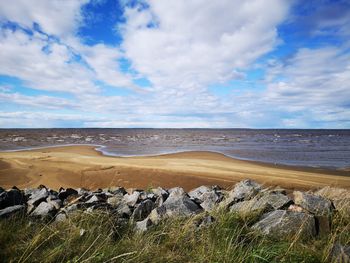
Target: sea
(329,149)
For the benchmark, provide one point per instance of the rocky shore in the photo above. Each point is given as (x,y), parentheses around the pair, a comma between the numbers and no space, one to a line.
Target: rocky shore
(280,215)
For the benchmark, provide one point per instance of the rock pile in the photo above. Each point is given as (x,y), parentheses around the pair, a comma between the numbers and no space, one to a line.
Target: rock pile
(302,214)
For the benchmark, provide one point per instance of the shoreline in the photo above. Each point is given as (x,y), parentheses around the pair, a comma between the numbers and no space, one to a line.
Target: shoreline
(91,168)
(99,148)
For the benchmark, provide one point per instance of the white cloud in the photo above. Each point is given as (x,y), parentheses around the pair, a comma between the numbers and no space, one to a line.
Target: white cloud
(310,89)
(312,78)
(104,61)
(24,57)
(41,101)
(196,43)
(56,17)
(181,47)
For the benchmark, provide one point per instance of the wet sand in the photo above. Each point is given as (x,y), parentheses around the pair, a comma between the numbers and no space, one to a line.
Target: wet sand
(83,166)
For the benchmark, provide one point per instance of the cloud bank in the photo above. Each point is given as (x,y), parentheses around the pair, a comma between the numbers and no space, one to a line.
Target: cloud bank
(202,64)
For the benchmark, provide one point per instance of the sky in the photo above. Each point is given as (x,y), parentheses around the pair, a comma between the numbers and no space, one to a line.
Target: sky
(175,63)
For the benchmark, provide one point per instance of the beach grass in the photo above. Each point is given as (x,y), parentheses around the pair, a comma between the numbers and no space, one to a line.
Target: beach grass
(102,237)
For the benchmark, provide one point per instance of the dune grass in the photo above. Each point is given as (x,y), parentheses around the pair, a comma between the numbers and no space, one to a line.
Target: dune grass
(101,237)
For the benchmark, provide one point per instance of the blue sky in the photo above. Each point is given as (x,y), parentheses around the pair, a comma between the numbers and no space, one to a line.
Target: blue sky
(175,63)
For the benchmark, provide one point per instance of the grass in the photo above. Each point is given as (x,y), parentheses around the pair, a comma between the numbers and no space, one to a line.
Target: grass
(101,237)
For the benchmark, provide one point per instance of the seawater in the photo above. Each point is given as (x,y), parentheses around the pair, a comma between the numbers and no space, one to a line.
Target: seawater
(314,148)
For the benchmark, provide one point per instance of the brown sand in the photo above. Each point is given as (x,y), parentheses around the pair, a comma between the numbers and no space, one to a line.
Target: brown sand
(82,166)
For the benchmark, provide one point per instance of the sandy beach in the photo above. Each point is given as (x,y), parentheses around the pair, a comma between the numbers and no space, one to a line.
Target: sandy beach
(83,166)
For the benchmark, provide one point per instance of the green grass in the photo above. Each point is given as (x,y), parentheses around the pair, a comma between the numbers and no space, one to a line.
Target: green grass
(108,239)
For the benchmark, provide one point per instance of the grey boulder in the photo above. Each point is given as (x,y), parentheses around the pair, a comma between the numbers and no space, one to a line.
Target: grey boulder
(198,192)
(131,199)
(319,206)
(44,210)
(114,201)
(206,196)
(65,193)
(96,198)
(37,197)
(242,191)
(316,205)
(143,225)
(245,208)
(8,211)
(123,210)
(282,224)
(57,203)
(210,199)
(11,198)
(177,204)
(275,200)
(143,210)
(61,217)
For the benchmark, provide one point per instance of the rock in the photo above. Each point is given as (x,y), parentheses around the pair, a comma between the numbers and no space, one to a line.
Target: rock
(64,194)
(53,193)
(178,191)
(339,196)
(61,217)
(279,190)
(206,196)
(177,204)
(143,195)
(57,203)
(323,225)
(123,210)
(96,198)
(160,192)
(159,201)
(319,206)
(72,209)
(251,206)
(37,197)
(83,191)
(198,192)
(316,205)
(340,254)
(151,196)
(143,210)
(210,199)
(117,190)
(98,191)
(157,214)
(243,191)
(282,224)
(11,198)
(114,201)
(263,202)
(276,200)
(296,208)
(44,210)
(143,225)
(11,210)
(131,199)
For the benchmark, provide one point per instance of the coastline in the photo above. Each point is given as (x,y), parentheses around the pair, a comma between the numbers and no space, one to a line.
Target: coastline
(99,148)
(86,166)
